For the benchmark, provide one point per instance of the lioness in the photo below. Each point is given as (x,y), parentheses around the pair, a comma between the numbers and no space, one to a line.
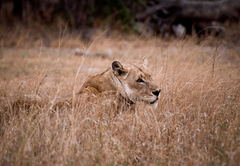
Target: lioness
(129,82)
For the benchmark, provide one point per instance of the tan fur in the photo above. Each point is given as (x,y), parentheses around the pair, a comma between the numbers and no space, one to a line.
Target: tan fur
(129,82)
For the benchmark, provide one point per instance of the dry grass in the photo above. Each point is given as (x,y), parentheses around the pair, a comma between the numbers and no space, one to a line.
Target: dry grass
(196,123)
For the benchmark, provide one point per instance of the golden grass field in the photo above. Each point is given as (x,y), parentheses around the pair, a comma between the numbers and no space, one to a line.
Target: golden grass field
(197,121)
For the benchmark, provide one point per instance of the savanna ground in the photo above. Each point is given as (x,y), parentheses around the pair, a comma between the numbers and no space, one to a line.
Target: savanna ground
(196,122)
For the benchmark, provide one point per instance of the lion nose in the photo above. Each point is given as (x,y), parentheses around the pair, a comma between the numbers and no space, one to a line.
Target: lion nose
(156,93)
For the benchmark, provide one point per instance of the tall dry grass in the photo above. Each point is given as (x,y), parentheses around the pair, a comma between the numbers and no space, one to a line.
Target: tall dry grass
(196,122)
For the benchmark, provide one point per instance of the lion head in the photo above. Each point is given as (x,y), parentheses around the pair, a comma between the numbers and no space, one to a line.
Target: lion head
(134,82)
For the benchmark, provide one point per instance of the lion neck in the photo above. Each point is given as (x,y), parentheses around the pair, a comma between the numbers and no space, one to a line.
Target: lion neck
(120,88)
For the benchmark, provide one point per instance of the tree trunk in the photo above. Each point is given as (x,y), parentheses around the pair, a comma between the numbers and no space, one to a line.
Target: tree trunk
(212,11)
(165,13)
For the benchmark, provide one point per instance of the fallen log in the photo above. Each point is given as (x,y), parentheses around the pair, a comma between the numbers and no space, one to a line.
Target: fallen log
(165,13)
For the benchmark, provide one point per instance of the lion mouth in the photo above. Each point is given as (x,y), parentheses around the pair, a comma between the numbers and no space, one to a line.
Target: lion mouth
(151,102)
(154,101)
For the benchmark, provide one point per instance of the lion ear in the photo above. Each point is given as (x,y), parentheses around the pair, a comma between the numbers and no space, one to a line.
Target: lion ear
(145,61)
(118,69)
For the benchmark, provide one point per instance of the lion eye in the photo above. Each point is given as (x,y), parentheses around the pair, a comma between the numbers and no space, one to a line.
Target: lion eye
(140,80)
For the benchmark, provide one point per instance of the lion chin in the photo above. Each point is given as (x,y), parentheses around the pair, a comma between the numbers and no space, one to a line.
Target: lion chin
(126,81)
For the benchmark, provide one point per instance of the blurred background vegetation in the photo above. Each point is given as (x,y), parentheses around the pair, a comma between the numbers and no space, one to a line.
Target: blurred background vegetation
(171,17)
(78,14)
